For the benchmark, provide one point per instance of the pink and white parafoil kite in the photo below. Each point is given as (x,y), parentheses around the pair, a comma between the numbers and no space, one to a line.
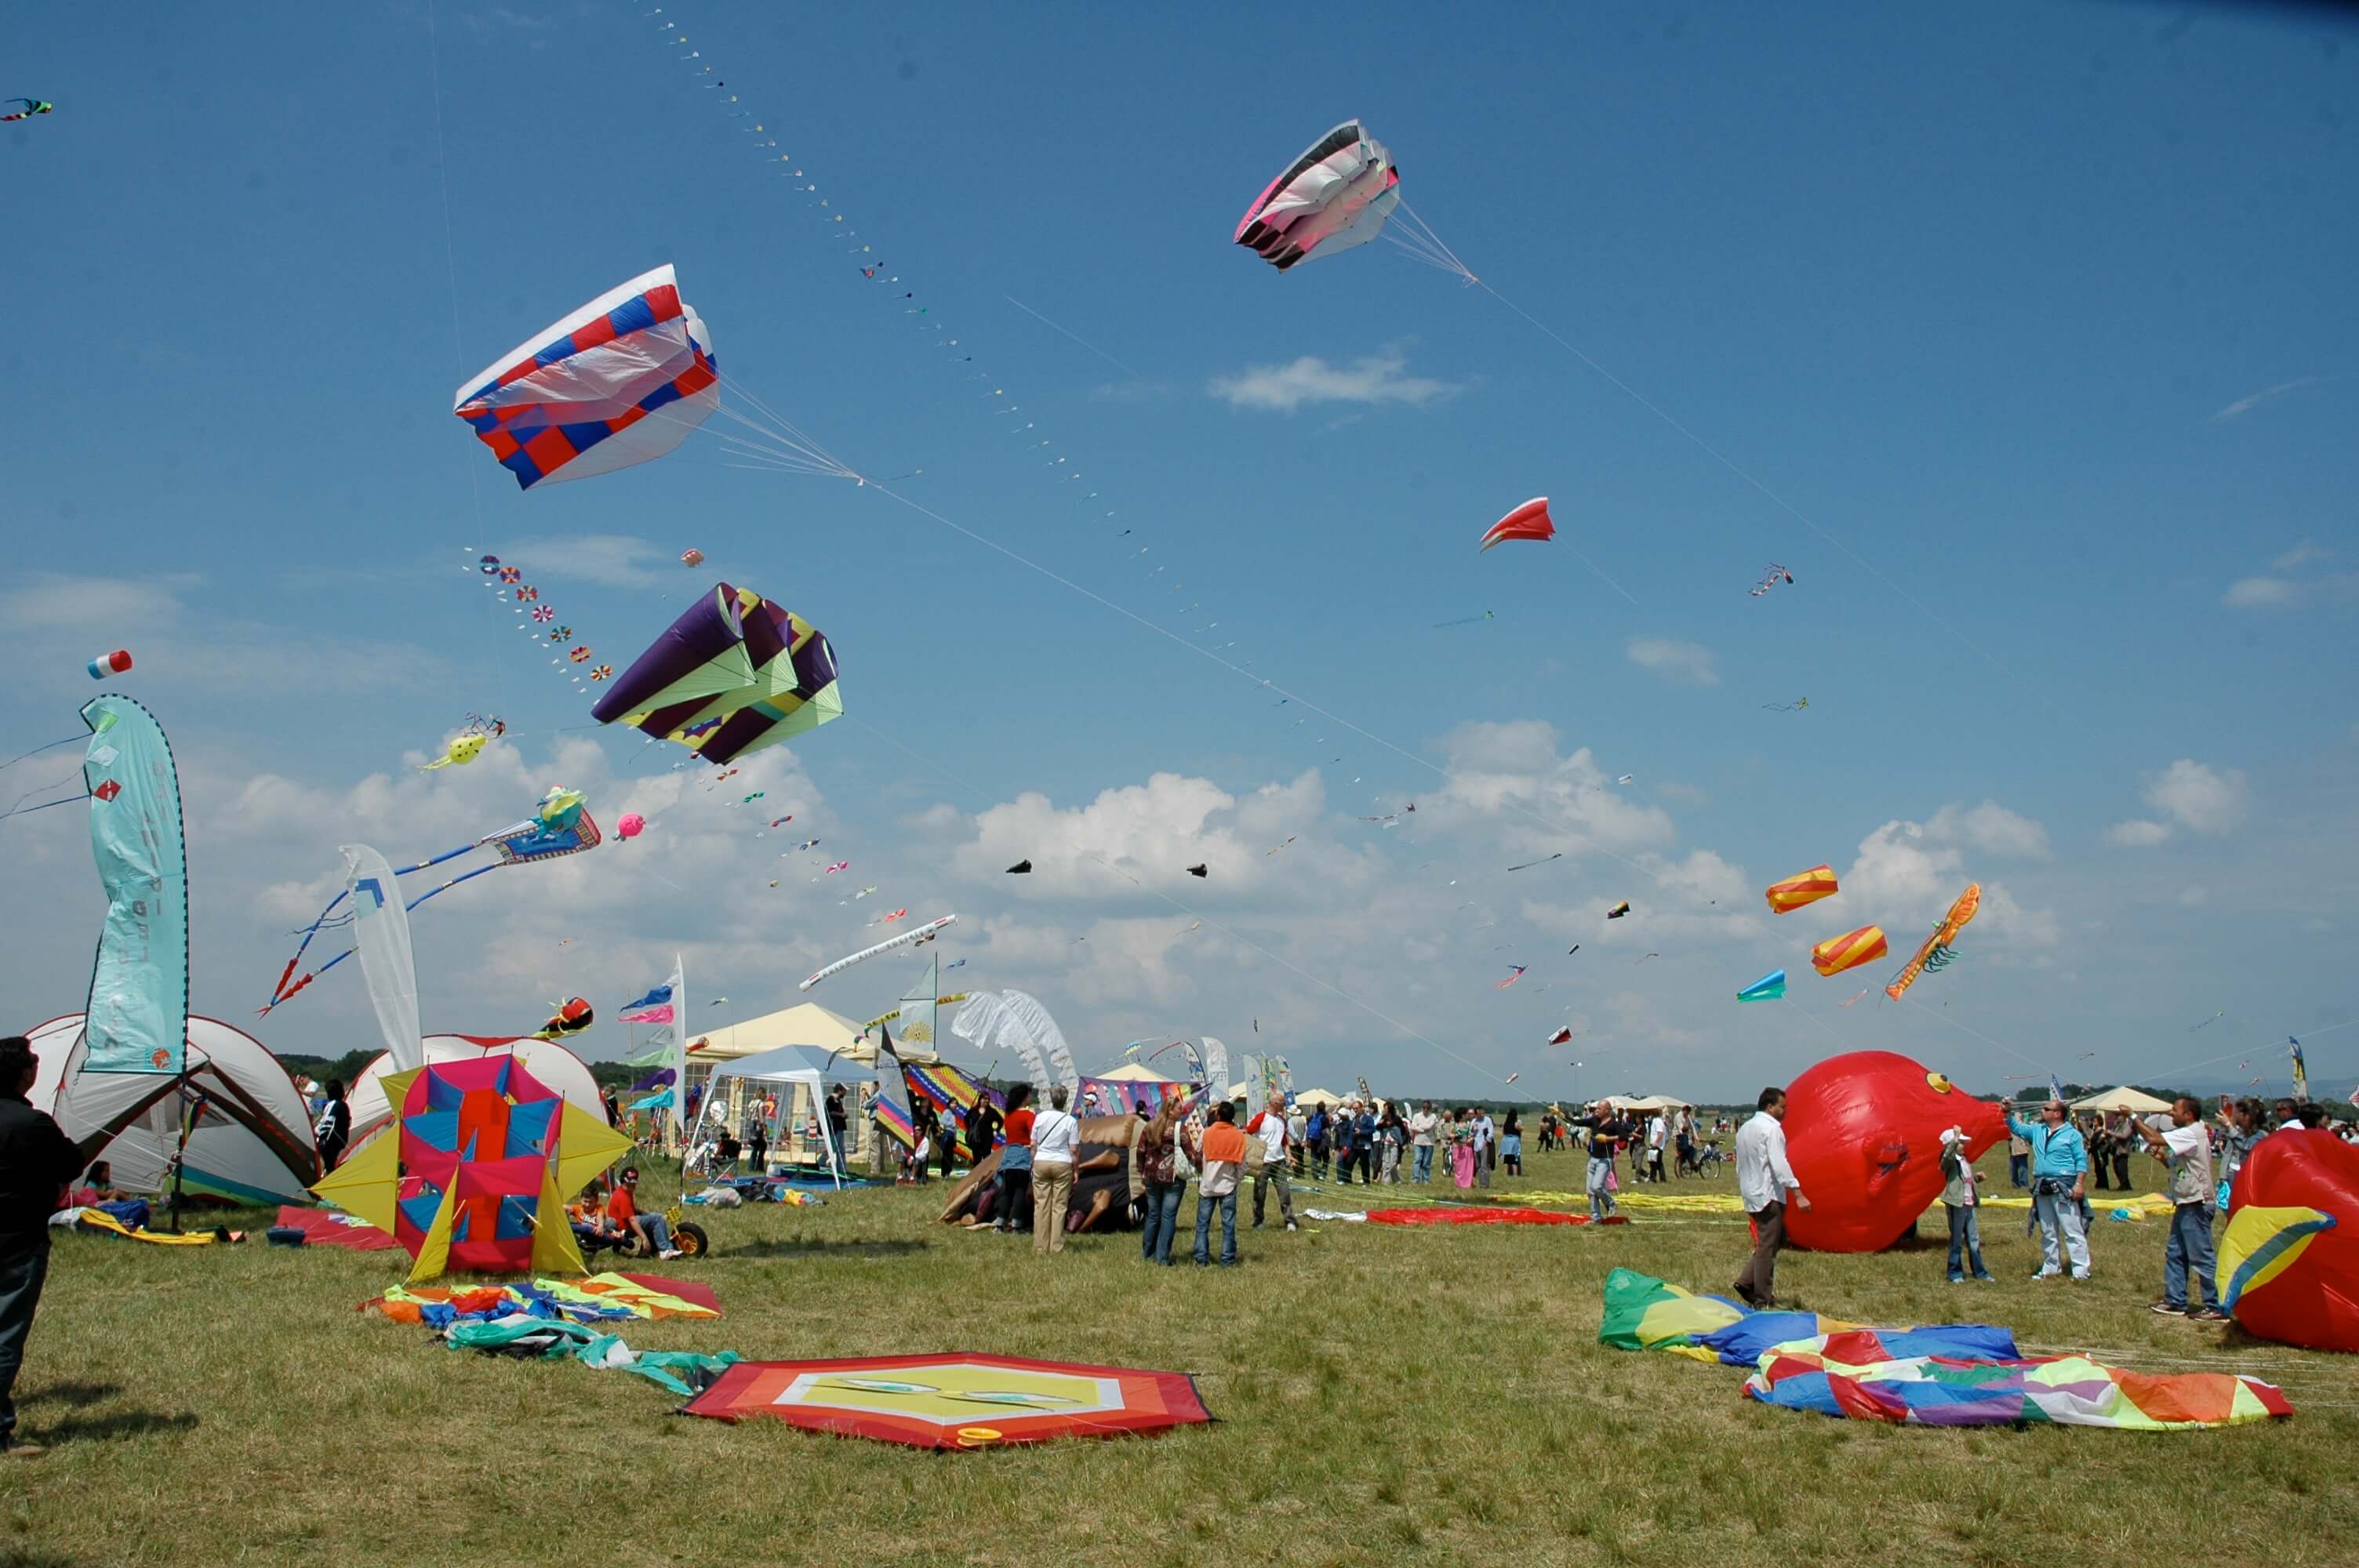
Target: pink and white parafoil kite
(1335,196)
(1530,521)
(621,380)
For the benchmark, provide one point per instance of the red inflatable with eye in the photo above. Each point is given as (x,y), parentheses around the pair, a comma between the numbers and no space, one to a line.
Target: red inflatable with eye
(2289,1261)
(1864,1133)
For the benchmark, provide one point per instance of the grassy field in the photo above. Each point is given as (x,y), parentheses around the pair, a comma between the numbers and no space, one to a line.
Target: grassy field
(1382,1395)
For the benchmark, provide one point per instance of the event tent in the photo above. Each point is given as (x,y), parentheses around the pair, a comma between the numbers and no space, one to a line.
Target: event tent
(249,1141)
(806,1023)
(2140,1104)
(1317,1097)
(1650,1102)
(807,1067)
(1133,1072)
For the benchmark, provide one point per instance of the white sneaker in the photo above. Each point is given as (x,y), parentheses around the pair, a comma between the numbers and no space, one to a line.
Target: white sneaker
(669,1253)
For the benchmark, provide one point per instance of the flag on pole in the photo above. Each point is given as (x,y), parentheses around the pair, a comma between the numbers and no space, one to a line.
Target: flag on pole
(2301,1070)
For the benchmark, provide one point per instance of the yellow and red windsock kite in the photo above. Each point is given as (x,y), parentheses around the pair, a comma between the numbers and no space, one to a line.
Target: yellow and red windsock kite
(1848,951)
(1807,887)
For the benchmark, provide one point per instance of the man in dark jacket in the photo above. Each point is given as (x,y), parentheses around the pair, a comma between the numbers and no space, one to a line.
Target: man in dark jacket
(37,1162)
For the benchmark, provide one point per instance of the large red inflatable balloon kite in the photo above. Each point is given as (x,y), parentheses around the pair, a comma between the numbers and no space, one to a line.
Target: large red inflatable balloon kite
(2289,1261)
(1864,1133)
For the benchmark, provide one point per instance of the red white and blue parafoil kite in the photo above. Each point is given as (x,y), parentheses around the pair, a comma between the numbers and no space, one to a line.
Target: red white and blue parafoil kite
(621,380)
(1337,195)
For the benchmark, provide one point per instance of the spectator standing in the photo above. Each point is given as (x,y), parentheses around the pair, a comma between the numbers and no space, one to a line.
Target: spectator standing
(1317,1133)
(1765,1182)
(2019,1161)
(2186,1150)
(2060,1183)
(1056,1141)
(1486,1145)
(334,1127)
(1158,1153)
(1604,1128)
(1270,1128)
(1420,1137)
(37,1162)
(1220,1154)
(1015,1175)
(1962,1196)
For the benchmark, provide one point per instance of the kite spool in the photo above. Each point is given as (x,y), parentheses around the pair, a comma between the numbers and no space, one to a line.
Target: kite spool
(113,663)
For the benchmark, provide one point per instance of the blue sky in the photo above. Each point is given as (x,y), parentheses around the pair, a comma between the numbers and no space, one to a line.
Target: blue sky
(2037,322)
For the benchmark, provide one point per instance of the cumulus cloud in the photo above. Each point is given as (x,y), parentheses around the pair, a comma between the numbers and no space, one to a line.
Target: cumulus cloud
(1688,663)
(1372,378)
(1991,829)
(2139,833)
(2187,794)
(2261,593)
(1509,779)
(613,560)
(1909,880)
(2279,590)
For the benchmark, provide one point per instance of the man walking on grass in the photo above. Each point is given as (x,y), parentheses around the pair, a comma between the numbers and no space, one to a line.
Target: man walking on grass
(2187,1150)
(1764,1181)
(37,1162)
(1270,1127)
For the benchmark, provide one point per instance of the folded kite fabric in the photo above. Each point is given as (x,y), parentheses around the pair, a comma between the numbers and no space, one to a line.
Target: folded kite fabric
(685,1373)
(1465,1216)
(98,1221)
(1643,1312)
(1848,1374)
(600,1298)
(326,1227)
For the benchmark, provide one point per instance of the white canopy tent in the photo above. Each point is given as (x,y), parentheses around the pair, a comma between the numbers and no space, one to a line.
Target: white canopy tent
(809,1068)
(2140,1104)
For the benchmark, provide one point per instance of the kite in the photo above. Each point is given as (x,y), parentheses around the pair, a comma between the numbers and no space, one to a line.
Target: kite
(2301,1070)
(1563,1036)
(1468,620)
(1511,980)
(839,866)
(463,749)
(781,821)
(1199,870)
(1796,706)
(1848,951)
(753,797)
(692,557)
(808,844)
(559,827)
(1844,1374)
(954,1401)
(630,824)
(1771,579)
(1935,953)
(2289,1259)
(1337,195)
(1569,952)
(1265,854)
(1803,887)
(621,380)
(572,1017)
(1618,911)
(1643,1312)
(1856,995)
(477,1170)
(1530,522)
(1543,861)
(1021,868)
(916,933)
(114,663)
(1863,1131)
(32,106)
(1627,778)
(953,964)
(889,919)
(1768,987)
(735,672)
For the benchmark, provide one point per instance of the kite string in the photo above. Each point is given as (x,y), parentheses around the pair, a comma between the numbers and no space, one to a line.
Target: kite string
(1936,1012)
(978,794)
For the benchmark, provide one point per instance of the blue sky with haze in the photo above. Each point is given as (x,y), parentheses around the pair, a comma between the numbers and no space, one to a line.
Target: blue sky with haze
(2030,328)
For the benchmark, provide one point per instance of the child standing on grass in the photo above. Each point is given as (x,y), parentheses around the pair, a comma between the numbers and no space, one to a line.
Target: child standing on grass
(1961,1197)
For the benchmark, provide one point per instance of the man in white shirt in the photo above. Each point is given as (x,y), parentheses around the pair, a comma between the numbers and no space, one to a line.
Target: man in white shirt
(1764,1180)
(1056,1142)
(1657,1131)
(1271,1131)
(2186,1148)
(1486,1138)
(1421,1124)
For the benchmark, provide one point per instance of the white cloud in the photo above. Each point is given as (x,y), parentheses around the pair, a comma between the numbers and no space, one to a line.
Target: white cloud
(1507,780)
(1374,378)
(1688,663)
(2260,593)
(2138,834)
(2244,405)
(2291,592)
(2304,553)
(1908,885)
(614,560)
(2194,897)
(2203,799)
(1993,830)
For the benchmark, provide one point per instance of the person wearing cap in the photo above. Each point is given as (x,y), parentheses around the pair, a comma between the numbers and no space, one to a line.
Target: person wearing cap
(1961,1195)
(2060,1181)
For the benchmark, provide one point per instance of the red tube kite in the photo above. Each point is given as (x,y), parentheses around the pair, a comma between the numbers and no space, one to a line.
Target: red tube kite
(1848,951)
(1805,887)
(1530,521)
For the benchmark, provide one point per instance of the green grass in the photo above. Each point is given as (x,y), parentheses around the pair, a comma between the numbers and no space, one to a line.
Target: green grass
(1384,1396)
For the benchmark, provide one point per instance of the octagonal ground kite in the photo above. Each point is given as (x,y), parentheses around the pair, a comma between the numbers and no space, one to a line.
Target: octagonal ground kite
(956,1400)
(475,1170)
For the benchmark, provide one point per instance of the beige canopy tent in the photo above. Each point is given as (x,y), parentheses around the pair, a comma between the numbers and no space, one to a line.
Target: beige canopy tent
(2115,1098)
(1317,1097)
(1132,1073)
(1649,1102)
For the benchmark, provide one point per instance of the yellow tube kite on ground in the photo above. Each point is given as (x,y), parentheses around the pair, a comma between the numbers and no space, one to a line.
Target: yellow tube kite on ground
(1806,887)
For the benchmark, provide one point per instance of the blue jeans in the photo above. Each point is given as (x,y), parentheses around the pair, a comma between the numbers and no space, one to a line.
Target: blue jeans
(658,1231)
(1014,1210)
(1425,1161)
(1601,1200)
(2058,1214)
(1162,1221)
(2190,1247)
(24,1267)
(1966,1236)
(2019,1171)
(1227,1204)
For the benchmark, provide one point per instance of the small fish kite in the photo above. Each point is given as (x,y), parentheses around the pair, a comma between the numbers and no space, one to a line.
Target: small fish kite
(1627,778)
(692,557)
(780,821)
(808,844)
(1511,980)
(1021,868)
(463,749)
(1569,952)
(1935,954)
(1265,854)
(840,865)
(1771,579)
(753,797)
(1199,870)
(953,964)
(1512,1078)
(1543,861)
(864,893)
(29,107)
(1803,887)
(1468,620)
(1528,522)
(1563,1036)
(1648,956)
(1768,987)
(1796,706)
(1618,911)
(1848,951)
